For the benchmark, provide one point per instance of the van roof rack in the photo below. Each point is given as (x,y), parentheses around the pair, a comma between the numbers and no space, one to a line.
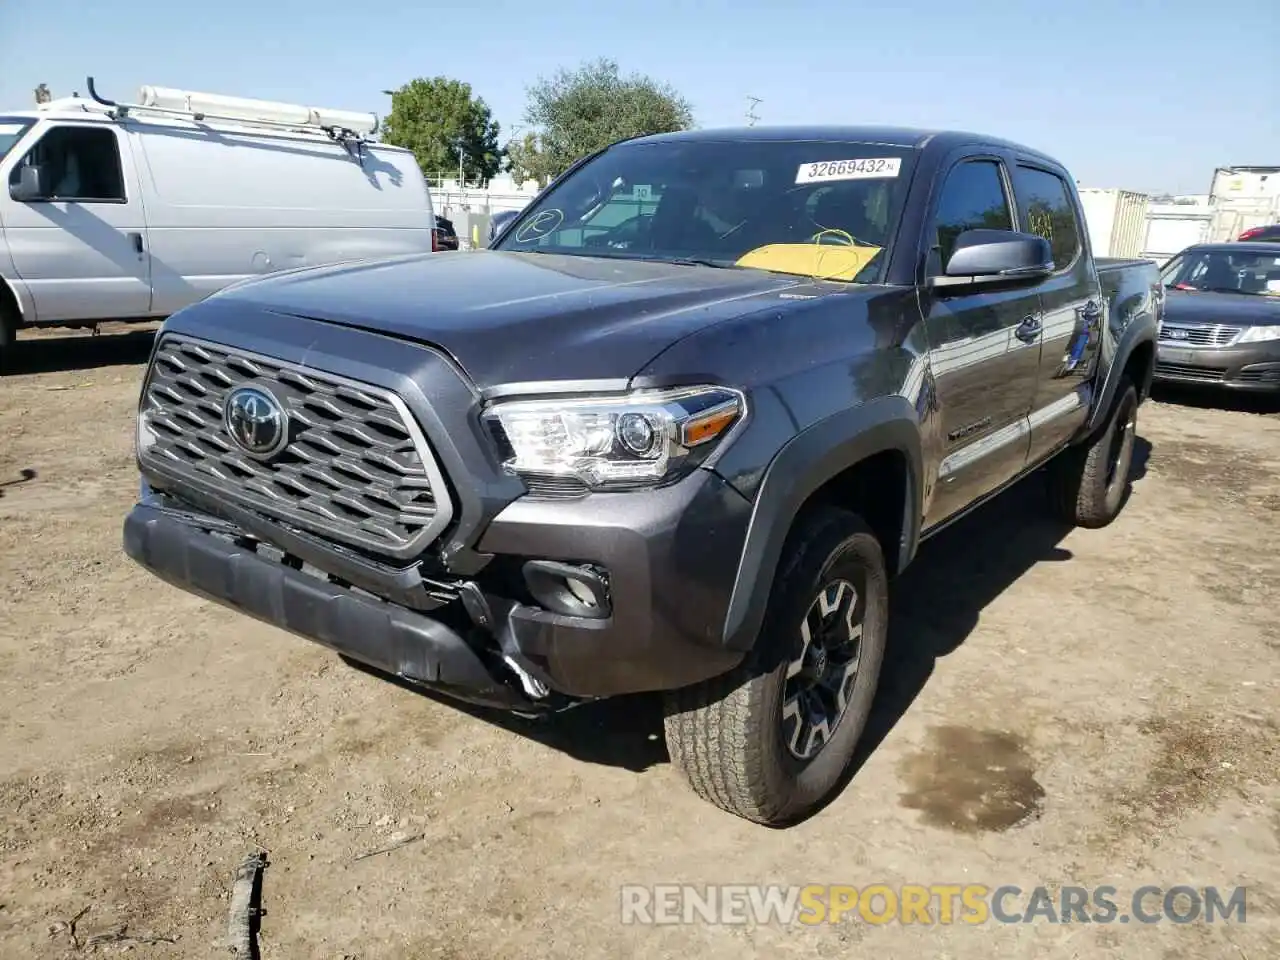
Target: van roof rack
(350,128)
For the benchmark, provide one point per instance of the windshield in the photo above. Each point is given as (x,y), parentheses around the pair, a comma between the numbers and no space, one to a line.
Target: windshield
(11,131)
(810,208)
(1224,271)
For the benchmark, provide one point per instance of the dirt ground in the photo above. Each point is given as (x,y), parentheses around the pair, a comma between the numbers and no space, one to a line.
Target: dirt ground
(1060,707)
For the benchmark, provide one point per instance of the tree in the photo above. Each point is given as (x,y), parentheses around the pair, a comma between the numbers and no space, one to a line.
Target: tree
(576,112)
(435,117)
(526,160)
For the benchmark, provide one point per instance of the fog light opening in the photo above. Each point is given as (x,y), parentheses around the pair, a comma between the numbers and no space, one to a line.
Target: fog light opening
(568,589)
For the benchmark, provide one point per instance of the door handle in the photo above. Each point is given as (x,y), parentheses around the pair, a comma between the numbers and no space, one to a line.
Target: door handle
(136,240)
(1028,330)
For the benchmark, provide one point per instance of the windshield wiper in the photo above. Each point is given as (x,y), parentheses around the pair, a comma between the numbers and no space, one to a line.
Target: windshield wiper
(698,262)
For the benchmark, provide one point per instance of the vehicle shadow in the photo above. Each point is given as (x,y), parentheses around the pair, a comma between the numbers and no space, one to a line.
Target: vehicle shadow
(50,354)
(621,732)
(1185,395)
(935,605)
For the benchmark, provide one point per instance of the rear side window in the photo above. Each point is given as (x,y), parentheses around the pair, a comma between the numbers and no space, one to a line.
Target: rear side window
(80,164)
(1047,211)
(973,198)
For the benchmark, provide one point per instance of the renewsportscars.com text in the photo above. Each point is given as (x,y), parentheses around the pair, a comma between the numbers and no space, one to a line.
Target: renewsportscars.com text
(928,904)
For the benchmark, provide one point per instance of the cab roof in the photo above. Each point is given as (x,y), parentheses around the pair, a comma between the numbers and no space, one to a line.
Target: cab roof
(1264,247)
(908,137)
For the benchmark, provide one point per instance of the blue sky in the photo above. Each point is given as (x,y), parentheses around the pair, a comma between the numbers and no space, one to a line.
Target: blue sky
(1128,93)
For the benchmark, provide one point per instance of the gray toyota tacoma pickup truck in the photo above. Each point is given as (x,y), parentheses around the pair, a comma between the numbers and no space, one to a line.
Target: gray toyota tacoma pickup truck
(677,430)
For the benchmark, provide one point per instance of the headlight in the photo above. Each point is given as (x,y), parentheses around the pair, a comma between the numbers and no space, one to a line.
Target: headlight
(1259,334)
(608,443)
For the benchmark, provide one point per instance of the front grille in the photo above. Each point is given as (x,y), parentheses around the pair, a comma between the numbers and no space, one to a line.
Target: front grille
(1199,335)
(356,467)
(1189,371)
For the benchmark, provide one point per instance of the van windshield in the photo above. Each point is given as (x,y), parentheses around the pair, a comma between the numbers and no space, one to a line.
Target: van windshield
(814,208)
(11,131)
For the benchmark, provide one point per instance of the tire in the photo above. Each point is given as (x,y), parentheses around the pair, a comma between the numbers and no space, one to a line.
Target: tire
(8,335)
(1088,484)
(733,737)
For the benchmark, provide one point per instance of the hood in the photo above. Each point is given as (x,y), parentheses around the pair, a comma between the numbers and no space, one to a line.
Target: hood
(522,317)
(1228,309)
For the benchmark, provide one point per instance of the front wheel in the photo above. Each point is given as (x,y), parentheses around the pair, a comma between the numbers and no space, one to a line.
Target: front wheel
(1088,483)
(770,741)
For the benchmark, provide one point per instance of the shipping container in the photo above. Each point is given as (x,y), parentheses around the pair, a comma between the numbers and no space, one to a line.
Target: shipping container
(1243,197)
(1172,227)
(1245,183)
(1116,221)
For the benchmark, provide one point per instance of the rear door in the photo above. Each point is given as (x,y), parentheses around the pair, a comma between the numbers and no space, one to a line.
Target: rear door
(82,250)
(984,347)
(1071,306)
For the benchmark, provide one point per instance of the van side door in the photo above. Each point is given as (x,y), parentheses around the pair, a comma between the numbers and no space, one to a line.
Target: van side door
(80,244)
(984,344)
(1072,305)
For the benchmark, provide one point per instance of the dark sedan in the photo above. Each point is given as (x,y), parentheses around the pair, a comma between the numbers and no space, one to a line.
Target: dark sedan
(500,220)
(445,237)
(1222,317)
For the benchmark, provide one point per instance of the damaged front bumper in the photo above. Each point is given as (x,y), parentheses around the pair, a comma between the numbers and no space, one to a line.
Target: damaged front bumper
(665,561)
(209,560)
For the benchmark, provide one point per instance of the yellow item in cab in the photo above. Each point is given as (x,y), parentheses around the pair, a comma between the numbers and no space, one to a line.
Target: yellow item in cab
(821,261)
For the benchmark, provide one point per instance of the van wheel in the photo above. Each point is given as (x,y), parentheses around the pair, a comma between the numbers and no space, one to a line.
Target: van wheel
(8,335)
(1088,483)
(771,740)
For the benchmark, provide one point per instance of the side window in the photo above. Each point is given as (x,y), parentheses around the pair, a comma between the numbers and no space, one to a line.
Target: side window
(1047,210)
(973,198)
(78,163)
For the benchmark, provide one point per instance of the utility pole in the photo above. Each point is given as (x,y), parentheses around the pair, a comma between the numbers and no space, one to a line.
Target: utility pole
(751,111)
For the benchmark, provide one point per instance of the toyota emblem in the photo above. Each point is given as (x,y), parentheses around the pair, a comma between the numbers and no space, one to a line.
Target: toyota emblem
(256,421)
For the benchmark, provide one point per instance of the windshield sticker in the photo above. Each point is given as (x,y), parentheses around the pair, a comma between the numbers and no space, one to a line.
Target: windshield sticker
(866,169)
(540,226)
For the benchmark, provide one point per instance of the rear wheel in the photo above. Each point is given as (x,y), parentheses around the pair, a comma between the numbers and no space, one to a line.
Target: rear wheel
(771,740)
(1088,483)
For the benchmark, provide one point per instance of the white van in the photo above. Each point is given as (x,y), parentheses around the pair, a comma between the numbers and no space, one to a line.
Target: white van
(131,211)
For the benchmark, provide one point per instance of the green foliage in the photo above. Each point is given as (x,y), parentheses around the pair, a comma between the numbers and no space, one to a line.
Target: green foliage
(579,111)
(433,117)
(525,160)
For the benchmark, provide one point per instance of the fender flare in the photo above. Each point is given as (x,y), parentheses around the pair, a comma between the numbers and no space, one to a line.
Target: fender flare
(805,463)
(23,305)
(1133,337)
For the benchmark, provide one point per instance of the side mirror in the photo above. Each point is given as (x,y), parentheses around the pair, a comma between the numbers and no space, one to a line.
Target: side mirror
(996,256)
(29,185)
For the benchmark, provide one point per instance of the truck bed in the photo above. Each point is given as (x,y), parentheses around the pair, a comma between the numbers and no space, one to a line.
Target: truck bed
(1114,263)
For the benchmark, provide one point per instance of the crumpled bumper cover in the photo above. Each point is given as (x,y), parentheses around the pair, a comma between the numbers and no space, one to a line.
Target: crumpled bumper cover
(381,635)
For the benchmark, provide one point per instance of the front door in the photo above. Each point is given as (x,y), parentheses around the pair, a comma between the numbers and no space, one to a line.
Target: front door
(1073,310)
(984,349)
(81,249)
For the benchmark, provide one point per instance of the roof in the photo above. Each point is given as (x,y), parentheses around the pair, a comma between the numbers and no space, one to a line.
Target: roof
(1241,246)
(88,111)
(1237,168)
(911,137)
